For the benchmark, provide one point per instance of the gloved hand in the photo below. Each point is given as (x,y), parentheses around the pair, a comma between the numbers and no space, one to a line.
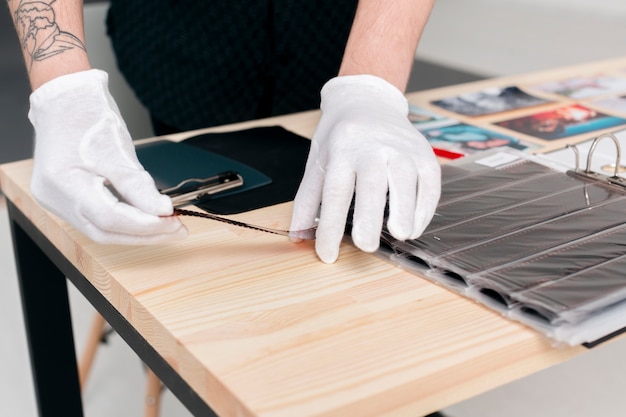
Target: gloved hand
(365,146)
(82,148)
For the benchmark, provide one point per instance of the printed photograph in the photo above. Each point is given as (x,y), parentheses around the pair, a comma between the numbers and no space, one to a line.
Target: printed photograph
(489,101)
(467,139)
(562,122)
(584,87)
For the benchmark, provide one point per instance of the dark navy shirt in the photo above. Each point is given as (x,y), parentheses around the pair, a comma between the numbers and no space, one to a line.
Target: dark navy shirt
(198,63)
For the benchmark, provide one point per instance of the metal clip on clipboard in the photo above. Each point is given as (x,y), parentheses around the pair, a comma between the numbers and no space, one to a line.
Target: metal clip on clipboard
(195,190)
(614,181)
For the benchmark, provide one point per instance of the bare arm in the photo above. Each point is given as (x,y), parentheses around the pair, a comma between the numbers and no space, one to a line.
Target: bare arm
(384,38)
(52,38)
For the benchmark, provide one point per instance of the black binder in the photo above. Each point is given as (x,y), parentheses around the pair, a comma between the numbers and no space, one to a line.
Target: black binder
(533,240)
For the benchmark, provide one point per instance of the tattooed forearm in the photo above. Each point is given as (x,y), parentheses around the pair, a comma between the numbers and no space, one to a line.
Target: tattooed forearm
(39,33)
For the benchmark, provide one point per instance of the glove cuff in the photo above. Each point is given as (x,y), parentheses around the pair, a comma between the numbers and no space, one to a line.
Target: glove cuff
(61,86)
(350,89)
(79,99)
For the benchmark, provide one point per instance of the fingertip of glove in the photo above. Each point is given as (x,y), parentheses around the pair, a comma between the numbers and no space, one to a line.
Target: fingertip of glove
(421,223)
(328,255)
(400,231)
(369,247)
(178,232)
(294,235)
(158,205)
(366,242)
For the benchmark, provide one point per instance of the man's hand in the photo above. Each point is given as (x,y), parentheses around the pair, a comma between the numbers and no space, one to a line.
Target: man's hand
(83,151)
(365,147)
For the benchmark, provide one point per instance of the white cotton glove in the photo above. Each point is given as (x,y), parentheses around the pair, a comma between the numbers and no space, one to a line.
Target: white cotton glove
(366,146)
(82,148)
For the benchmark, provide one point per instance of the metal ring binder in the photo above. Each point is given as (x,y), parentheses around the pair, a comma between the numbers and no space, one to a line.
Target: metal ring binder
(618,151)
(577,155)
(615,180)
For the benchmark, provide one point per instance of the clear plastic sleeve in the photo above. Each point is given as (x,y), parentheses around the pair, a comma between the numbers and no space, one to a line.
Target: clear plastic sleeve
(528,240)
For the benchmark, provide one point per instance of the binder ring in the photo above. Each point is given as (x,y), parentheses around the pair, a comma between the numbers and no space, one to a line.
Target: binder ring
(577,155)
(618,156)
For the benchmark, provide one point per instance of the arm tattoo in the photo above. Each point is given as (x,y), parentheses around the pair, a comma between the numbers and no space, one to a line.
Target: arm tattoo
(39,33)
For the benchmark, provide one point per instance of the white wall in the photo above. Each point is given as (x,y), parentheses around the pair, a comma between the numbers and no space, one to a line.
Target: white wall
(498,37)
(593,6)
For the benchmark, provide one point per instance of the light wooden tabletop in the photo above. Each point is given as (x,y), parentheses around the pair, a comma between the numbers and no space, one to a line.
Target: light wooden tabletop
(258,326)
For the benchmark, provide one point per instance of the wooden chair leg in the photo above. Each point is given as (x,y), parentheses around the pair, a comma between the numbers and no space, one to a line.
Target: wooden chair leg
(93,340)
(154,387)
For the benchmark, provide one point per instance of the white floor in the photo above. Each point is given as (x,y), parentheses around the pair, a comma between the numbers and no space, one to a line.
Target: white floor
(494,37)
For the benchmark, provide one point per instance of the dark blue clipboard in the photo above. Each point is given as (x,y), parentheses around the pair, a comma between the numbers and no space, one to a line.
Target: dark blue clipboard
(271,160)
(171,163)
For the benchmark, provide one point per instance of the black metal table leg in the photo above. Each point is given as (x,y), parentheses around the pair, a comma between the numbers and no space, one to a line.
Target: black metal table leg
(46,309)
(43,272)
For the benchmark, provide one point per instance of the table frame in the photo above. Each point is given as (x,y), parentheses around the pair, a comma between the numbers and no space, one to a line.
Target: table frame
(43,272)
